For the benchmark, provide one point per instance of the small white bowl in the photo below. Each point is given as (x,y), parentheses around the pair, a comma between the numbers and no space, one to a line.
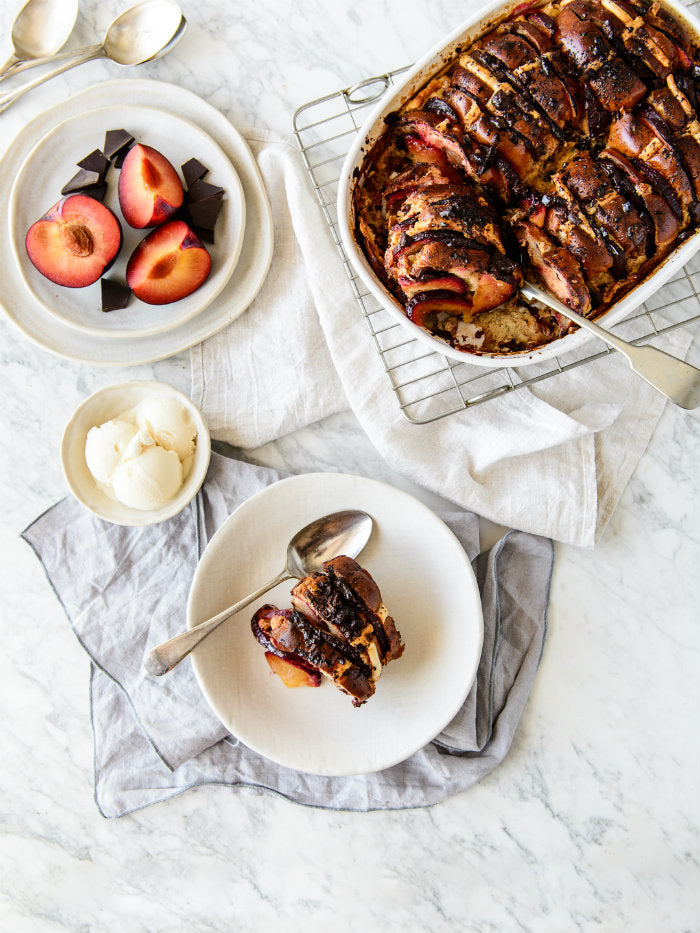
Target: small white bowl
(104,405)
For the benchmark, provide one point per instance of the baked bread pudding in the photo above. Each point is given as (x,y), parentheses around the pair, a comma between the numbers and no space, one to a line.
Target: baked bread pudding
(563,146)
(338,628)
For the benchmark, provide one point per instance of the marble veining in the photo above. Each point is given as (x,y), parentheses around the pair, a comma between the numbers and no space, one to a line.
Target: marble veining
(591,823)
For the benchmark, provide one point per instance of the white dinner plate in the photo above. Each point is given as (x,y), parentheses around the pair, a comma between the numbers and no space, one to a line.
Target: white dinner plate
(427,584)
(45,329)
(51,164)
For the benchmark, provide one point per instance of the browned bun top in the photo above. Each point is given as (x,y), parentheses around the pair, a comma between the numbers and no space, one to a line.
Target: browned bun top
(348,570)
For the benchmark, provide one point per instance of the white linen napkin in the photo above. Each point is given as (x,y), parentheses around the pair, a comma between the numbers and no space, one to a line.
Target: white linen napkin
(552,461)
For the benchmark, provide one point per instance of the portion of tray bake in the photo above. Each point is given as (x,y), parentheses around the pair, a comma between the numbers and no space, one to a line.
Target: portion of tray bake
(563,145)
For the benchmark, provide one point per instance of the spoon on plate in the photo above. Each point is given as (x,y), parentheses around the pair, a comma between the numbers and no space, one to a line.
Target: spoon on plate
(40,29)
(673,378)
(140,34)
(339,533)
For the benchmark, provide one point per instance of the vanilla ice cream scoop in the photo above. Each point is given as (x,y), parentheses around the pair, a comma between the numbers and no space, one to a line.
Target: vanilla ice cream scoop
(169,422)
(149,479)
(104,447)
(142,457)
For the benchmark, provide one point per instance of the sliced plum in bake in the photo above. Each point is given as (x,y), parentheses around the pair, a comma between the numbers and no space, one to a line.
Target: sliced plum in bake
(512,111)
(476,279)
(641,36)
(554,266)
(648,53)
(604,205)
(571,228)
(683,143)
(415,178)
(614,82)
(492,139)
(664,225)
(654,160)
(528,74)
(674,108)
(440,134)
(297,638)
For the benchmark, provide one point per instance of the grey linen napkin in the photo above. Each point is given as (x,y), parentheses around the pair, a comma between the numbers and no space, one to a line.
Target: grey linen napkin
(124,589)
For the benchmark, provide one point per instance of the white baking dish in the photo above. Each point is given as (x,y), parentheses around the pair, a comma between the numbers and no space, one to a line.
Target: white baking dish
(374,126)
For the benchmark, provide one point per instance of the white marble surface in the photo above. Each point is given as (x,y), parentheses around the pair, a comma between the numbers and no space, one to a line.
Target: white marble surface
(592,821)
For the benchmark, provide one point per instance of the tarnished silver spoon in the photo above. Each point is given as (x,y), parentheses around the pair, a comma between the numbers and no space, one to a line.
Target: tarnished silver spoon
(339,533)
(673,378)
(146,31)
(40,29)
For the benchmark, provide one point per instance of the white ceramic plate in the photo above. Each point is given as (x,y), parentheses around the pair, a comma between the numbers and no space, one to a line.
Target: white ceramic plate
(373,127)
(427,584)
(52,163)
(109,403)
(44,328)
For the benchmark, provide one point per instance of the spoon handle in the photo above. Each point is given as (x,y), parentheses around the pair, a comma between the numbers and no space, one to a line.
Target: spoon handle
(85,55)
(164,657)
(9,67)
(14,65)
(675,379)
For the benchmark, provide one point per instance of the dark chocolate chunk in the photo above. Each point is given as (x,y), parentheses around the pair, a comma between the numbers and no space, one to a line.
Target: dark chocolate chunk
(119,159)
(193,171)
(97,192)
(116,143)
(81,180)
(96,161)
(115,295)
(205,212)
(201,190)
(206,236)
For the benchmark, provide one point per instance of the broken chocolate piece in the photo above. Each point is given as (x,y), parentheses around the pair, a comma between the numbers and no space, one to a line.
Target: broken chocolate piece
(80,181)
(117,142)
(96,161)
(205,212)
(97,192)
(119,160)
(206,236)
(193,171)
(201,190)
(115,295)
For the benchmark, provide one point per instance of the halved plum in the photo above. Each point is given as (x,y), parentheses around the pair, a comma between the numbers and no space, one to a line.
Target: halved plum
(169,264)
(150,190)
(423,308)
(290,673)
(554,266)
(75,242)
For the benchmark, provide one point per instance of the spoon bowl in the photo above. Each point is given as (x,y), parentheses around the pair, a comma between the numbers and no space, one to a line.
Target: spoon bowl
(40,29)
(345,532)
(144,32)
(140,34)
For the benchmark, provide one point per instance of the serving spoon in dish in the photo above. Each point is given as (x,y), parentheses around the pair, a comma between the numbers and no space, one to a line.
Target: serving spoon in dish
(339,533)
(40,29)
(140,34)
(673,378)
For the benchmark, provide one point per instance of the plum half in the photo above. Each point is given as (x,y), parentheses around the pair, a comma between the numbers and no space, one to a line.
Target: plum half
(75,242)
(150,190)
(168,264)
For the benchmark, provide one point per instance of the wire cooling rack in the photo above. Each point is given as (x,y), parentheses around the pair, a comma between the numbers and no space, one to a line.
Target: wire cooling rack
(427,384)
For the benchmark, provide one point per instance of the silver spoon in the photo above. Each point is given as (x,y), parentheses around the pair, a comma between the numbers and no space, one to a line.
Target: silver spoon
(142,33)
(339,533)
(40,28)
(673,378)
